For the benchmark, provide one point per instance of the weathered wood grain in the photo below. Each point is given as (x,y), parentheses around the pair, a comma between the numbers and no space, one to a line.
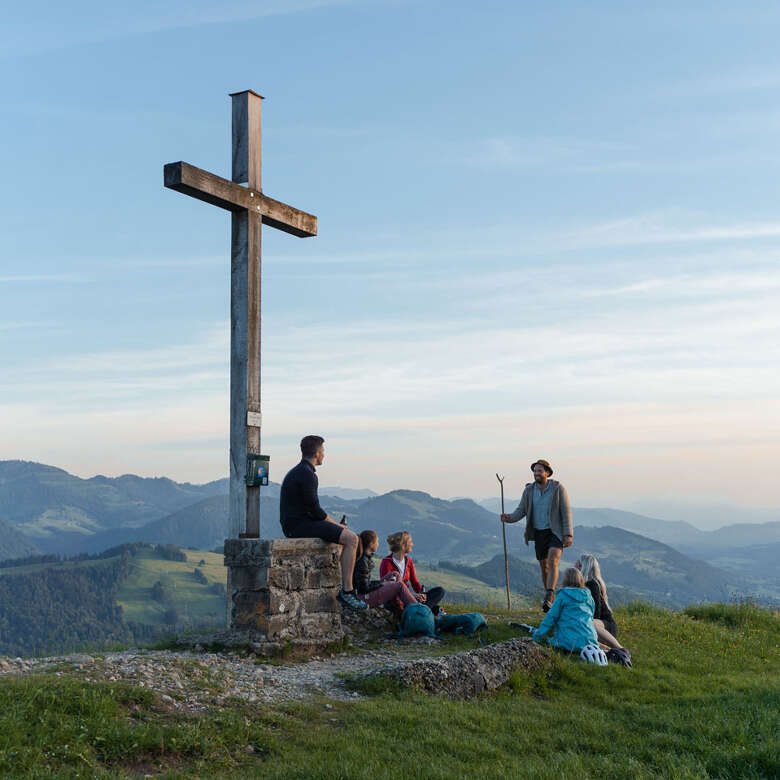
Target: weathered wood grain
(247,138)
(250,209)
(205,186)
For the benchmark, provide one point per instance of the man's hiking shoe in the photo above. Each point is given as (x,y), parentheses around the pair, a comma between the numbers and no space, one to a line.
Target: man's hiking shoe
(549,597)
(352,601)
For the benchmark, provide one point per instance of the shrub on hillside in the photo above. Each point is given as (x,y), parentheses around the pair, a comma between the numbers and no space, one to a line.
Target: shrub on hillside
(160,592)
(170,552)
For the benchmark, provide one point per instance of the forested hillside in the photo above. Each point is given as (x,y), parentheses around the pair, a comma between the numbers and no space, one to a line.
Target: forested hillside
(47,608)
(14,544)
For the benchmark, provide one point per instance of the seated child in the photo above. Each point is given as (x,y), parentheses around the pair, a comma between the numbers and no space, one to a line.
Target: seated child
(400,562)
(571,616)
(375,593)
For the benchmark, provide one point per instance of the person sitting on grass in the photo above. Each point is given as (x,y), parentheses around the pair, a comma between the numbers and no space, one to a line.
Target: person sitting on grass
(388,590)
(400,544)
(571,616)
(603,618)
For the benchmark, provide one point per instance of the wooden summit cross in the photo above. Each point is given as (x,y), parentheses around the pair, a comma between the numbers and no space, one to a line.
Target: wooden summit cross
(249,209)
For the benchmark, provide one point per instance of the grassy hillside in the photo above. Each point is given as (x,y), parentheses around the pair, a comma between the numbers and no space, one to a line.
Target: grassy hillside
(703,701)
(134,591)
(193,601)
(462,589)
(524,577)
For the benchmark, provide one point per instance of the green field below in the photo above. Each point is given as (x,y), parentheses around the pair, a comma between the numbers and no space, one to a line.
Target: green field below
(193,601)
(467,590)
(703,701)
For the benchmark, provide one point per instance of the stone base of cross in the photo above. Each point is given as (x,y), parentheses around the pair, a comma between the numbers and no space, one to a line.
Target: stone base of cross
(284,591)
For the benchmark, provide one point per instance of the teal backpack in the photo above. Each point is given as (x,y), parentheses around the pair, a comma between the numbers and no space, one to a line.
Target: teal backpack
(468,623)
(416,620)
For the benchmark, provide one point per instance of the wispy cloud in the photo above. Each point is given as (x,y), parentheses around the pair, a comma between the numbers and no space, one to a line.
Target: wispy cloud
(534,152)
(145,17)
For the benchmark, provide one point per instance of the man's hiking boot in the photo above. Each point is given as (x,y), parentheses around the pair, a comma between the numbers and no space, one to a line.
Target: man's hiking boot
(549,597)
(351,600)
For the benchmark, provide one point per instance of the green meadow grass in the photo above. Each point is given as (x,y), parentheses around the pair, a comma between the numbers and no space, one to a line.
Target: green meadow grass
(702,701)
(190,598)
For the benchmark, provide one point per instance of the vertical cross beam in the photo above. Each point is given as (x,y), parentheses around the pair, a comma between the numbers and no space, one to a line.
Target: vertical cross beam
(245,268)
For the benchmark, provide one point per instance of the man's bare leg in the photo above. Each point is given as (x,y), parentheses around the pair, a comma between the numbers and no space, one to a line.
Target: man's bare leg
(553,557)
(348,541)
(543,567)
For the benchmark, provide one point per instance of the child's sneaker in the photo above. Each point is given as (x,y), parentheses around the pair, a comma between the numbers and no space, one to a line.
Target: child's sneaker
(351,600)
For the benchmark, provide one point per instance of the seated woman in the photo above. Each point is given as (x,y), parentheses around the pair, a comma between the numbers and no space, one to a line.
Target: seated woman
(570,617)
(398,561)
(603,618)
(377,592)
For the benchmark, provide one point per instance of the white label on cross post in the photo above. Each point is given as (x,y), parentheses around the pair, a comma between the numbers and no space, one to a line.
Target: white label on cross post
(254,419)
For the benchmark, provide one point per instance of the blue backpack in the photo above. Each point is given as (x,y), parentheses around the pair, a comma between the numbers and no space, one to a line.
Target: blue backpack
(468,623)
(417,619)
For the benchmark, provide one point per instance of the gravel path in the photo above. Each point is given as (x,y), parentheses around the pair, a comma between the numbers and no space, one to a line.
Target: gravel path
(191,681)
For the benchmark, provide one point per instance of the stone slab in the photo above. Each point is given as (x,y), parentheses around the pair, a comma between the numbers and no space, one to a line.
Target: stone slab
(285,590)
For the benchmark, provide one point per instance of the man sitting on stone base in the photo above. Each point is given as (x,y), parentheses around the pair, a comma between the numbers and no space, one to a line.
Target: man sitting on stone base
(302,516)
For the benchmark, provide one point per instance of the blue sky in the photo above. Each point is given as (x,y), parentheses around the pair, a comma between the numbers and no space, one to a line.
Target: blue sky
(546,230)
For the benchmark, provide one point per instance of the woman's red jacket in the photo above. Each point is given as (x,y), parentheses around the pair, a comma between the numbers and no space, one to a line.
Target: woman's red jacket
(409,577)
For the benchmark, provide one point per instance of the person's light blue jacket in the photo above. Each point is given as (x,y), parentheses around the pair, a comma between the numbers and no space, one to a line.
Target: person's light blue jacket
(571,616)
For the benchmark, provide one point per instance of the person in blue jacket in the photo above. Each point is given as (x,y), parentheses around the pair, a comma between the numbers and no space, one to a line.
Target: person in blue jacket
(570,617)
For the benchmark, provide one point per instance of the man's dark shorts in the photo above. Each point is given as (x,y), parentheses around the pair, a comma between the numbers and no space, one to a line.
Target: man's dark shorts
(543,541)
(314,529)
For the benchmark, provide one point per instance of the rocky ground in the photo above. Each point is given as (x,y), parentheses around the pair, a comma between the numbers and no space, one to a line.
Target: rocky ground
(191,681)
(195,679)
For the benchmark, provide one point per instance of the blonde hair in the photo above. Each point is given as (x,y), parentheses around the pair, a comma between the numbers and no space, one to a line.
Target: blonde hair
(589,566)
(396,541)
(572,579)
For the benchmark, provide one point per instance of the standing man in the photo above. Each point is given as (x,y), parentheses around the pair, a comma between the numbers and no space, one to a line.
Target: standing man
(302,516)
(545,506)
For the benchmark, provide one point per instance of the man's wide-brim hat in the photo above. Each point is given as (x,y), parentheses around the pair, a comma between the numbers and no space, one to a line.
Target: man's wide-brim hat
(545,464)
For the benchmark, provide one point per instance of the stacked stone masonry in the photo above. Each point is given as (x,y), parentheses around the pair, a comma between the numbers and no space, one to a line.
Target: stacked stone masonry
(284,590)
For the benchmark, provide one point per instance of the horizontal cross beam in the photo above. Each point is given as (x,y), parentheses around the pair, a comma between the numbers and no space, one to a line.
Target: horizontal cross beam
(205,186)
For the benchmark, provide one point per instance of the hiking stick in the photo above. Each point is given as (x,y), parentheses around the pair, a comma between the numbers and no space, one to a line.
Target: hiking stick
(503,531)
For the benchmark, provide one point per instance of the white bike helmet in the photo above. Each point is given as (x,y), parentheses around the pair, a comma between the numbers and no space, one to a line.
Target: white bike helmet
(593,654)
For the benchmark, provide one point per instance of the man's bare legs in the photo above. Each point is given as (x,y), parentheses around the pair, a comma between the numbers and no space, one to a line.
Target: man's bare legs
(553,557)
(549,568)
(544,567)
(349,542)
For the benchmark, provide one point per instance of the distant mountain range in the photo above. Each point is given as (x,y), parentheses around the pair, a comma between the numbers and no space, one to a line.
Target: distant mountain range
(45,501)
(48,510)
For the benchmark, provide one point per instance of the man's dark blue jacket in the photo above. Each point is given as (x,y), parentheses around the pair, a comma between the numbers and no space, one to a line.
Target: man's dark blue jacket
(298,501)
